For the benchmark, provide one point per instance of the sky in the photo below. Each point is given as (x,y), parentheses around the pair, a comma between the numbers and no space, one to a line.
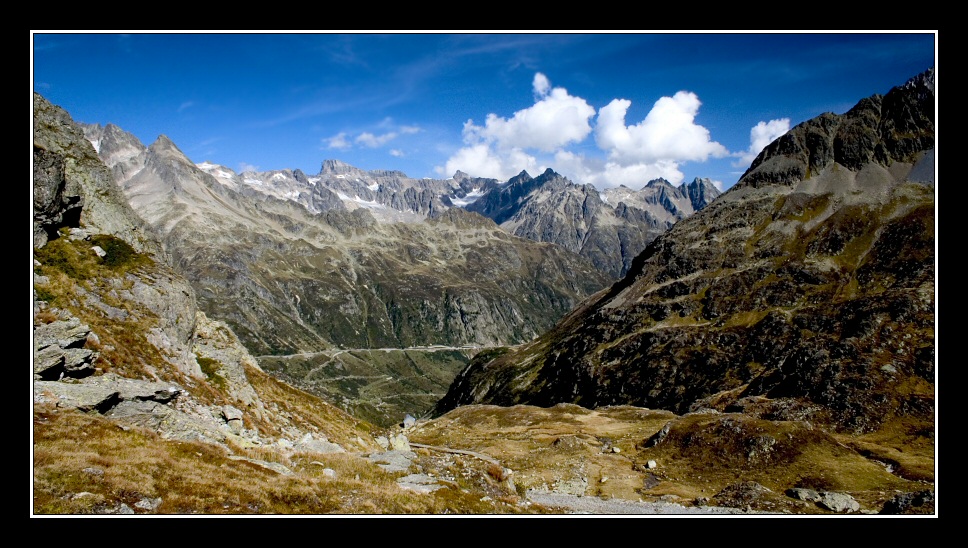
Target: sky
(604,108)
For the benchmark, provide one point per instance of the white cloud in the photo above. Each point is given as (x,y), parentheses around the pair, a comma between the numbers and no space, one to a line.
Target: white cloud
(243,167)
(373,141)
(407,130)
(633,154)
(540,84)
(338,142)
(761,135)
(186,104)
(396,152)
(667,134)
(499,148)
(481,161)
(635,175)
(555,120)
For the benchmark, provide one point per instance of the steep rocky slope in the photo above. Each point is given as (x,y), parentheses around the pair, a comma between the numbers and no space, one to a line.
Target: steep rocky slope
(804,293)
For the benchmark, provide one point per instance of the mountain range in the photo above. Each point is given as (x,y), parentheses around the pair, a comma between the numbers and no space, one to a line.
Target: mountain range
(348,259)
(769,349)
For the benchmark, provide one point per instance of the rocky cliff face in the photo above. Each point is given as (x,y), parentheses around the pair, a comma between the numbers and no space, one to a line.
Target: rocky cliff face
(804,292)
(609,227)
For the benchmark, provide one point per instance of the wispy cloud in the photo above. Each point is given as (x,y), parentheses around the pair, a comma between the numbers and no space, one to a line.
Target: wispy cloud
(367,139)
(186,105)
(338,141)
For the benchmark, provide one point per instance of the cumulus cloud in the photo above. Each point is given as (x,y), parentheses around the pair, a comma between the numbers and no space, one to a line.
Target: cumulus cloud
(338,142)
(555,120)
(635,175)
(667,134)
(481,161)
(243,167)
(633,154)
(761,135)
(396,152)
(541,85)
(500,148)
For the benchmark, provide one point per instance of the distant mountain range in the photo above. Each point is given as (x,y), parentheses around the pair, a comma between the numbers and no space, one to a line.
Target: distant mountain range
(371,259)
(608,227)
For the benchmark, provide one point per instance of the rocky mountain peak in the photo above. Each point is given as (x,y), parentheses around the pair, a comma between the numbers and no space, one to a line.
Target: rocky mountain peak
(164,146)
(896,127)
(658,183)
(337,167)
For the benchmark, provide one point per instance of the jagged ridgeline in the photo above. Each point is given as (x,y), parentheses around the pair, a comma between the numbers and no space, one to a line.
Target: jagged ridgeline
(806,291)
(609,227)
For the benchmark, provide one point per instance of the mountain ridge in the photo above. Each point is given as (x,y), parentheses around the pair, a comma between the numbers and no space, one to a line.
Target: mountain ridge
(833,266)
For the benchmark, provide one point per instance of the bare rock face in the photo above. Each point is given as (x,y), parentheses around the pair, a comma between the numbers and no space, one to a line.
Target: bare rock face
(77,191)
(811,281)
(73,187)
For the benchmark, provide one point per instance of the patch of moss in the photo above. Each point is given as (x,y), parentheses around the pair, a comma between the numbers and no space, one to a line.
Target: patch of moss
(211,369)
(77,260)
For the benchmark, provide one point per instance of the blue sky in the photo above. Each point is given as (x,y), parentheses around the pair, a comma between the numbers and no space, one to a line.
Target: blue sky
(599,108)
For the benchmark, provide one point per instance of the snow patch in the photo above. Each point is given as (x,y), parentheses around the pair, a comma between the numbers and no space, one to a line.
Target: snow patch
(374,187)
(369,204)
(253,181)
(279,176)
(469,198)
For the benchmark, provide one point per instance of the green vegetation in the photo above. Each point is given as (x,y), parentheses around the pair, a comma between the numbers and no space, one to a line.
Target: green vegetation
(211,369)
(78,261)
